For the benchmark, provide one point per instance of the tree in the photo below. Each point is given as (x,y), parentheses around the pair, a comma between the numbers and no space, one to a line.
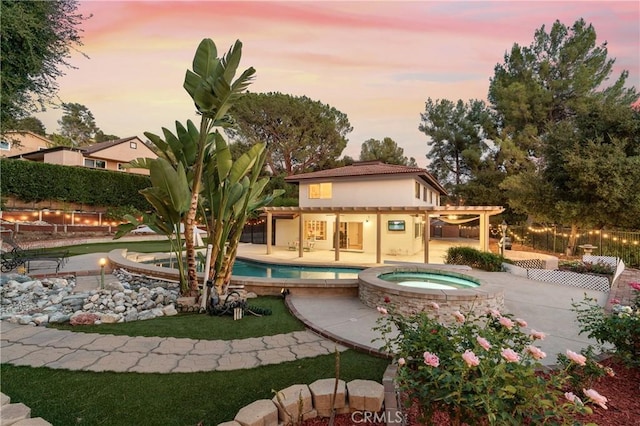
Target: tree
(31,124)
(77,124)
(458,133)
(103,137)
(37,37)
(386,151)
(578,133)
(301,134)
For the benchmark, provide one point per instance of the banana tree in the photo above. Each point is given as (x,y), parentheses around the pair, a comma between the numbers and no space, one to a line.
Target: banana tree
(213,91)
(169,196)
(233,191)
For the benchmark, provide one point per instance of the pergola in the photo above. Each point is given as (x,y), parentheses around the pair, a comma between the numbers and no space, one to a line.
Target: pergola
(483,213)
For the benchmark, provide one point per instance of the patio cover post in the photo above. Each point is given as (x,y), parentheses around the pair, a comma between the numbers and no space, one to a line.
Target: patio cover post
(336,237)
(378,237)
(484,232)
(300,236)
(269,231)
(427,235)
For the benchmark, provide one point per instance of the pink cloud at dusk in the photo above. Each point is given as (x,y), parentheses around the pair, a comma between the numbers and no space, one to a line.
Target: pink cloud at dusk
(378,62)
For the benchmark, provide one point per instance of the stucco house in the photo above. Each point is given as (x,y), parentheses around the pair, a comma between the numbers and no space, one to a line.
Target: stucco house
(15,143)
(110,155)
(369,207)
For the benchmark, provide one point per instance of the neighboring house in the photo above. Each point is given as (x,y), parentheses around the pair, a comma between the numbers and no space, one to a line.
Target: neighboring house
(15,143)
(110,155)
(376,208)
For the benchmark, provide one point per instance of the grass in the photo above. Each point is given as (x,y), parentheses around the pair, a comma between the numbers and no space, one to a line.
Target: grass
(205,327)
(65,397)
(137,246)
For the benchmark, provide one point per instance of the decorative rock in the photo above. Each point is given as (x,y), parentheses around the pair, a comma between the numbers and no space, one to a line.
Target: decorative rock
(41,319)
(59,317)
(262,412)
(322,393)
(231,423)
(365,395)
(37,421)
(117,286)
(293,402)
(84,318)
(4,399)
(169,310)
(110,318)
(145,315)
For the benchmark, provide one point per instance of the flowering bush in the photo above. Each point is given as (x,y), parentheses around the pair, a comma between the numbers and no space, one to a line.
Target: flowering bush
(620,327)
(599,267)
(478,369)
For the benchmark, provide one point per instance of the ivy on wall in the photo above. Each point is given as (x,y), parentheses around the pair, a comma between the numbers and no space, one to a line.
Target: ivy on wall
(33,181)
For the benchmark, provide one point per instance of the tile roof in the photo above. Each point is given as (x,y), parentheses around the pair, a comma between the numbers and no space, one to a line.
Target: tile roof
(369,168)
(104,145)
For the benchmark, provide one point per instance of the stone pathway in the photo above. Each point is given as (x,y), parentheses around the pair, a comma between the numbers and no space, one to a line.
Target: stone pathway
(621,291)
(61,349)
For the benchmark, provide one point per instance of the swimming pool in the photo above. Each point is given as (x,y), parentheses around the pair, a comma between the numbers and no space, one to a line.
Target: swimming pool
(268,270)
(428,280)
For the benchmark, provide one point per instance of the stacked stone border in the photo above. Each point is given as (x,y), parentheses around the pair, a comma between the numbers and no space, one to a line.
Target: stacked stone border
(362,399)
(17,414)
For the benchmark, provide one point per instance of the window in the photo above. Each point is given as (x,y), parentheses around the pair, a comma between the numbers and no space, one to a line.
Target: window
(95,164)
(417,190)
(133,145)
(5,145)
(424,194)
(122,167)
(320,190)
(315,230)
(430,197)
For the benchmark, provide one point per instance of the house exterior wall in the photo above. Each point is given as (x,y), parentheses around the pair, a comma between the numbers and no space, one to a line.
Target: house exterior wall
(64,158)
(26,142)
(122,154)
(391,191)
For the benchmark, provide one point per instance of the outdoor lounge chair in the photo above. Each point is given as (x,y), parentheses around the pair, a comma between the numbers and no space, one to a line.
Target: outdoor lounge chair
(18,256)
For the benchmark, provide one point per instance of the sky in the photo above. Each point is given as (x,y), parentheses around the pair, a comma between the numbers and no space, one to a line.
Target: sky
(377,62)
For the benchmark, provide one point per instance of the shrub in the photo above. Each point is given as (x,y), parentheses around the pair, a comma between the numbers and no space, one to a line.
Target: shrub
(474,258)
(620,327)
(479,370)
(599,267)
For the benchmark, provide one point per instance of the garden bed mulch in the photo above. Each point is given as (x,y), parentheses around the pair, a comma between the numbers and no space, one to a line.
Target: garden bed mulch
(622,390)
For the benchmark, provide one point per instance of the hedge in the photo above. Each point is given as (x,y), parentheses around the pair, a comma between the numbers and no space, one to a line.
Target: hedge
(33,182)
(474,258)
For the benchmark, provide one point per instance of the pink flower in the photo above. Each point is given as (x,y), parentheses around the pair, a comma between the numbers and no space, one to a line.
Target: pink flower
(615,301)
(434,305)
(510,355)
(459,316)
(596,397)
(401,362)
(470,358)
(431,359)
(572,398)
(484,343)
(577,358)
(535,352)
(538,335)
(387,299)
(495,313)
(635,286)
(609,371)
(506,322)
(521,322)
(382,310)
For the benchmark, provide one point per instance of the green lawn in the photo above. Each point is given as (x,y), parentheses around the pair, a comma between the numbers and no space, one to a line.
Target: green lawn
(137,246)
(65,397)
(206,327)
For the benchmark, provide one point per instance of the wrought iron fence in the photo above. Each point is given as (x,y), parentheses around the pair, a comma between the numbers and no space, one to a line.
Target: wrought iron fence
(622,244)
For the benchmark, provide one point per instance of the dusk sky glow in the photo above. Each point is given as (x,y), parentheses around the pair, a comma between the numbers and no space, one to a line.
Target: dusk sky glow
(377,62)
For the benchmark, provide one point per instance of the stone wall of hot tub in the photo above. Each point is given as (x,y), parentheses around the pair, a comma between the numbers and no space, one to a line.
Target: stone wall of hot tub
(408,300)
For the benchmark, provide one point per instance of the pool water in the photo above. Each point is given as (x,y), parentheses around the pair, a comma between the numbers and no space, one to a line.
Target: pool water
(247,268)
(428,280)
(265,270)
